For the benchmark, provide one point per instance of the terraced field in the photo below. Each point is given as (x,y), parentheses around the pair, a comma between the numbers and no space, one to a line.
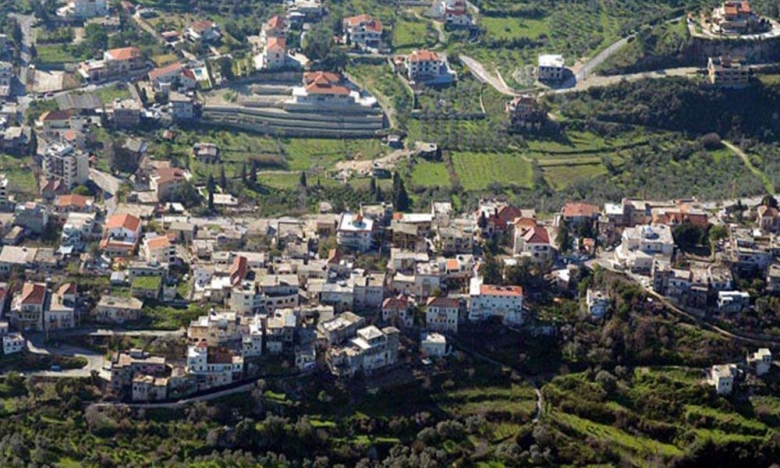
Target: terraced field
(477,171)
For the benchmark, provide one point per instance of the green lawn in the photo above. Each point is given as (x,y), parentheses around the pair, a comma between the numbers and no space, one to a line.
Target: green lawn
(430,174)
(476,171)
(512,27)
(410,34)
(109,94)
(560,177)
(305,154)
(21,178)
(53,53)
(623,440)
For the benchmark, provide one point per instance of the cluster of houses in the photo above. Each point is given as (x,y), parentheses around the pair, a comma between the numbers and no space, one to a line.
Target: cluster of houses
(736,18)
(725,378)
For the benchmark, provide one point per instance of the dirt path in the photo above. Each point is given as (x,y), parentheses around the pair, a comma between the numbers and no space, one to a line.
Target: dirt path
(746,159)
(365,166)
(486,77)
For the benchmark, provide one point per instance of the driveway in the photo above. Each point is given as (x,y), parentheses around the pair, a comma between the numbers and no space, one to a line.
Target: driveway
(94,360)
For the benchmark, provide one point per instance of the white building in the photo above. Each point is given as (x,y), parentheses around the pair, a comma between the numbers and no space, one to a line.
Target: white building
(399,310)
(761,360)
(533,243)
(78,229)
(213,367)
(363,31)
(252,338)
(3,188)
(84,9)
(6,74)
(487,300)
(424,65)
(372,349)
(452,12)
(730,302)
(355,232)
(115,309)
(13,343)
(551,68)
(598,303)
(433,344)
(642,244)
(63,163)
(216,329)
(442,314)
(722,378)
(158,249)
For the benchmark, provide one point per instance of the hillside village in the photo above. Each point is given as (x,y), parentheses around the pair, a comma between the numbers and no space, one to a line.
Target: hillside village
(310,208)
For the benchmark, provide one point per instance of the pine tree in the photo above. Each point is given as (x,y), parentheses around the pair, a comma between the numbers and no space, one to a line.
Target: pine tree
(252,178)
(302,181)
(223,179)
(372,187)
(211,186)
(482,222)
(563,237)
(400,197)
(243,172)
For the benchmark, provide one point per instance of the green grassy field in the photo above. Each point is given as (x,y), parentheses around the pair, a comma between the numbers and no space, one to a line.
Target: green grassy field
(412,33)
(476,171)
(511,28)
(560,177)
(53,54)
(108,94)
(430,174)
(21,178)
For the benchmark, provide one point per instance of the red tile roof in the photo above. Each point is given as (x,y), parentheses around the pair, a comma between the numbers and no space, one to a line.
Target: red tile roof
(276,22)
(125,220)
(67,289)
(276,43)
(124,53)
(159,242)
(585,210)
(400,302)
(162,71)
(537,235)
(200,26)
(492,290)
(33,293)
(76,200)
(310,77)
(322,85)
(443,302)
(169,174)
(238,270)
(51,116)
(356,20)
(423,56)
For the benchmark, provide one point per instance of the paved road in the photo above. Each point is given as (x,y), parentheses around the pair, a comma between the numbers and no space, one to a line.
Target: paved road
(25,24)
(600,81)
(178,404)
(486,77)
(587,68)
(94,360)
(103,332)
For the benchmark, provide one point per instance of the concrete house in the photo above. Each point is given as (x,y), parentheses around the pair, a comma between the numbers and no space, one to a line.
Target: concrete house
(442,314)
(760,361)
